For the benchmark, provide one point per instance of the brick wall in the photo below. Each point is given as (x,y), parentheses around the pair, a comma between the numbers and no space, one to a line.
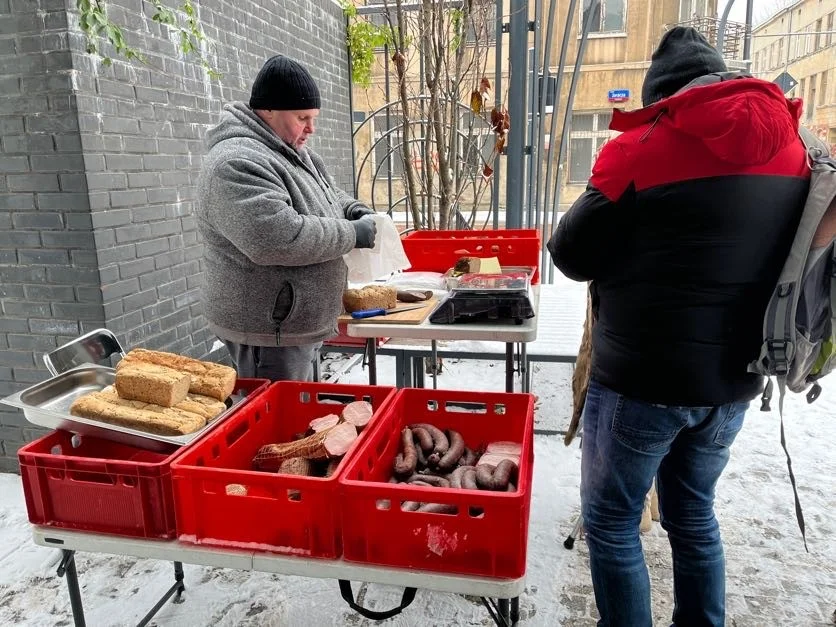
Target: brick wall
(98,165)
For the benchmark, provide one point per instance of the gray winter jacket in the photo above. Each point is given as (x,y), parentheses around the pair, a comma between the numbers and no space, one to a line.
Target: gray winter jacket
(275,230)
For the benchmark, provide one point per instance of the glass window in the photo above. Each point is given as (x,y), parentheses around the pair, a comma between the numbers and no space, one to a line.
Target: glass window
(608,17)
(690,9)
(823,89)
(580,159)
(829,38)
(584,122)
(811,101)
(588,133)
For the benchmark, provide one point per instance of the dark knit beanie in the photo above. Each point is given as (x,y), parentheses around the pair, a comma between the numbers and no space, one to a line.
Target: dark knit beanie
(682,55)
(283,84)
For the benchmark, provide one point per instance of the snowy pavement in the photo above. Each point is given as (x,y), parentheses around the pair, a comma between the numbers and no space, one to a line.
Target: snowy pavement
(771,580)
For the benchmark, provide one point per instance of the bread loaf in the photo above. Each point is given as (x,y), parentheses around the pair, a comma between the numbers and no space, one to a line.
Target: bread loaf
(207,378)
(207,408)
(370,297)
(151,383)
(168,421)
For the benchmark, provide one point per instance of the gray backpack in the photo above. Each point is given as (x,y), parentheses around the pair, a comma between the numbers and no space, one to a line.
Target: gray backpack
(799,328)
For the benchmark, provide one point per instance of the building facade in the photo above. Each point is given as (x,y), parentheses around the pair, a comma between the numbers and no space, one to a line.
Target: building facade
(622,39)
(800,41)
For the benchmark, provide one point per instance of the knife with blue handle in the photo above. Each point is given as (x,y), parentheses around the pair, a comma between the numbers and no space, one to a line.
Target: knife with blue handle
(371,313)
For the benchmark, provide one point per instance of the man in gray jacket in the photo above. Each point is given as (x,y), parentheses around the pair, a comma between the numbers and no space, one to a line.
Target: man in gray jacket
(275,228)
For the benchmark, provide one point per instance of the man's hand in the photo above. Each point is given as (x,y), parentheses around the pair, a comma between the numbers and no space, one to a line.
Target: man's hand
(358,211)
(365,230)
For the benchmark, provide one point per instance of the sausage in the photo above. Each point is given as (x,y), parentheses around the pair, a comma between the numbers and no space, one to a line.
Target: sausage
(505,473)
(433,480)
(457,476)
(468,458)
(420,483)
(440,443)
(469,479)
(423,437)
(451,457)
(406,462)
(484,476)
(410,506)
(439,508)
(422,461)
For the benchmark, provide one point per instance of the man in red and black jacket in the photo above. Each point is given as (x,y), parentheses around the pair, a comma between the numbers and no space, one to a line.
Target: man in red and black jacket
(683,230)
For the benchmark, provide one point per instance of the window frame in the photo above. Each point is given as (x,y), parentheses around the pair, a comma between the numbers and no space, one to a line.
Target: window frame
(599,34)
(596,133)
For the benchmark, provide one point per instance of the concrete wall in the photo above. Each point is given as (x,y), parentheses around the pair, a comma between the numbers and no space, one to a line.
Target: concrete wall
(98,165)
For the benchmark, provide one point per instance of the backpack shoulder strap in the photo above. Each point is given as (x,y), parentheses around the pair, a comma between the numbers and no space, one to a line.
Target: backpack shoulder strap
(817,151)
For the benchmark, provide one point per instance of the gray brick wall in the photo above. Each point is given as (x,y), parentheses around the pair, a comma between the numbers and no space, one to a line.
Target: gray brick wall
(98,165)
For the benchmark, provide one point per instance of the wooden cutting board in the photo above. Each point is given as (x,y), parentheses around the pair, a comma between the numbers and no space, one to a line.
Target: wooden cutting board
(413,316)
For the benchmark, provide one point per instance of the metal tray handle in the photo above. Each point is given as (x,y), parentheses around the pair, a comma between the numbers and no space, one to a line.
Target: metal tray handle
(93,347)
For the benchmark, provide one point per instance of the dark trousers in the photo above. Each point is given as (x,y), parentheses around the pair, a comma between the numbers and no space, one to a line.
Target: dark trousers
(277,363)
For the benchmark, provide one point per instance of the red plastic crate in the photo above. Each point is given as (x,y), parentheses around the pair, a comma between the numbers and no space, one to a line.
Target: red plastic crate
(343,339)
(91,484)
(489,544)
(221,501)
(438,251)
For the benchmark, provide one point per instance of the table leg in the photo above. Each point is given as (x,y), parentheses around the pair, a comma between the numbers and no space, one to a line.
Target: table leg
(403,370)
(371,348)
(417,361)
(509,367)
(505,611)
(525,375)
(175,590)
(435,364)
(515,610)
(67,568)
(501,611)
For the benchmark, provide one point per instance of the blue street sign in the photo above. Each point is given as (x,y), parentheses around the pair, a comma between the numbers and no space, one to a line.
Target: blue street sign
(618,95)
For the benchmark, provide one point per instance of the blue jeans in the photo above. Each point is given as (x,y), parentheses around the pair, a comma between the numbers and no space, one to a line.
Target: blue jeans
(626,443)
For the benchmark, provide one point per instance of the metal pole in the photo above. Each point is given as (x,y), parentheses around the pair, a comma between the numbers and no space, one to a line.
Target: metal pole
(567,119)
(721,28)
(354,173)
(497,103)
(747,36)
(561,65)
(389,158)
(544,97)
(517,92)
(532,116)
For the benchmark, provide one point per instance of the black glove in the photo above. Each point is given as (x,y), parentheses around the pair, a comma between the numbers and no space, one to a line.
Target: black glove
(365,230)
(358,211)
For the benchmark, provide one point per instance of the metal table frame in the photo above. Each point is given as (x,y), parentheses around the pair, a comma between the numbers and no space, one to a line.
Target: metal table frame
(503,331)
(500,596)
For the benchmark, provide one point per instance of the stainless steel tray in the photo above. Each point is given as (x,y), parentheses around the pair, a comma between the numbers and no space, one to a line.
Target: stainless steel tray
(452,282)
(47,404)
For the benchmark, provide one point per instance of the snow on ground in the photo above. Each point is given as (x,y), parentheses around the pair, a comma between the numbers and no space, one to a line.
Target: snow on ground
(771,580)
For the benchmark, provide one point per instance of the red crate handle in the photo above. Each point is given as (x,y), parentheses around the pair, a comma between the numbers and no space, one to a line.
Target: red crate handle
(348,595)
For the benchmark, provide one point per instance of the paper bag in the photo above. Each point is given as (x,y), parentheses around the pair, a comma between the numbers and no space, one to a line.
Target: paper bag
(387,256)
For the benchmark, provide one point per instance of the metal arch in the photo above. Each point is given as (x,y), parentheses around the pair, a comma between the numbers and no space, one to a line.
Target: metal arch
(463,133)
(402,199)
(395,108)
